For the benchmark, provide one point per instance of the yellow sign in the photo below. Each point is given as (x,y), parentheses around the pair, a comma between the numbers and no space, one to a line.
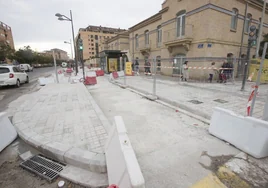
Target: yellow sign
(112,64)
(128,68)
(253,72)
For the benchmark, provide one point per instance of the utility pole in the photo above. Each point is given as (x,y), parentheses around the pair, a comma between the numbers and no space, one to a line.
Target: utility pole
(252,37)
(261,27)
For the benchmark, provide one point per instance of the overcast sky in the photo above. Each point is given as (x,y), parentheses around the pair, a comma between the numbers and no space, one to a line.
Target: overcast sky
(33,22)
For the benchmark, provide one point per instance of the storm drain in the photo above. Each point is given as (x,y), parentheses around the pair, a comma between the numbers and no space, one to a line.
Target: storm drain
(195,102)
(44,167)
(221,101)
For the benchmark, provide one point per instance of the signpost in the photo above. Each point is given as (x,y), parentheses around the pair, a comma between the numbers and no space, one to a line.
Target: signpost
(128,69)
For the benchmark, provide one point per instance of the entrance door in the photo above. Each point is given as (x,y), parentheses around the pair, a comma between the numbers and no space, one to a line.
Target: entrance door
(177,64)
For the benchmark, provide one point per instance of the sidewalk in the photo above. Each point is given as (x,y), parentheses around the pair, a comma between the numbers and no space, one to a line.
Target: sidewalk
(63,122)
(199,98)
(168,144)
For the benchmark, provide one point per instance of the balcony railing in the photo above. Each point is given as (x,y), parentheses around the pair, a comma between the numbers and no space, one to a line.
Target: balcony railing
(144,45)
(177,35)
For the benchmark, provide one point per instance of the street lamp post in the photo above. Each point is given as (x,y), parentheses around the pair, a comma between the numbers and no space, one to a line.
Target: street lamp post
(71,47)
(65,18)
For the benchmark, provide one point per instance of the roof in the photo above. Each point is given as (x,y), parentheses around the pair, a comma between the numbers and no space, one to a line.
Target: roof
(103,29)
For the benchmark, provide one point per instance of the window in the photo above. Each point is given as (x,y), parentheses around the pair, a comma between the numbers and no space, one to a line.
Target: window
(137,41)
(146,33)
(92,40)
(93,53)
(92,48)
(181,23)
(96,37)
(92,44)
(92,36)
(248,22)
(15,69)
(4,70)
(159,36)
(234,19)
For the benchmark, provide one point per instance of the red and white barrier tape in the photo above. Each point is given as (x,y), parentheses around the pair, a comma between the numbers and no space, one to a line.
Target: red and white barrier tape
(199,68)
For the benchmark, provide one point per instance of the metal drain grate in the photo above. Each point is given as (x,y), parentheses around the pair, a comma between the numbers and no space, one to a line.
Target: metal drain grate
(195,102)
(221,101)
(43,167)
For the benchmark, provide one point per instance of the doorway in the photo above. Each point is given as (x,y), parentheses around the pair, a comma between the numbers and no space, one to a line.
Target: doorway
(177,64)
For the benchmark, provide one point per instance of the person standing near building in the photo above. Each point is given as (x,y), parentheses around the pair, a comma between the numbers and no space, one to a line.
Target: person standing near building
(185,72)
(211,72)
(137,66)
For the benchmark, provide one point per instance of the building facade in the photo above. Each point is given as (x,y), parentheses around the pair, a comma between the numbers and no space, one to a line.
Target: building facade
(6,35)
(59,54)
(190,29)
(92,37)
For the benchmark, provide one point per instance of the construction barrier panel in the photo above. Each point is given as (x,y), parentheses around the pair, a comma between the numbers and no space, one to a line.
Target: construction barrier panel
(99,72)
(121,73)
(122,165)
(253,72)
(90,81)
(7,131)
(246,133)
(115,75)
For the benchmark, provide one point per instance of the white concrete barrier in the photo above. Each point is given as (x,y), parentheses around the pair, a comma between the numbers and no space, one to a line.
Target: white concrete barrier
(246,133)
(7,132)
(122,165)
(44,81)
(121,73)
(91,74)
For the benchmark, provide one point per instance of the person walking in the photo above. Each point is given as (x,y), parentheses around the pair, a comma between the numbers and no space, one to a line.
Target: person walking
(137,66)
(211,72)
(185,72)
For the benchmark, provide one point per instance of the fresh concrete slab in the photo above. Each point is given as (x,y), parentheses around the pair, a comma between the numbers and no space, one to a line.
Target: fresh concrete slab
(169,145)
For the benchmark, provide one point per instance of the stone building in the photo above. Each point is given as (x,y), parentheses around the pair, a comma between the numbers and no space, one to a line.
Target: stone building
(199,31)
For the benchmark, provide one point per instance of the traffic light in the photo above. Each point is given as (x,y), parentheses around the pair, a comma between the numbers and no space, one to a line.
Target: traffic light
(80,44)
(253,35)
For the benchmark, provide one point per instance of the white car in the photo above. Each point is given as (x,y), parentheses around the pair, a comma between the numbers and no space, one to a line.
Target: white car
(11,75)
(26,67)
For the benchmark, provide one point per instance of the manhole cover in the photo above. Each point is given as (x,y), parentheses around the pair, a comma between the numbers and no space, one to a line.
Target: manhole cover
(43,167)
(221,101)
(195,102)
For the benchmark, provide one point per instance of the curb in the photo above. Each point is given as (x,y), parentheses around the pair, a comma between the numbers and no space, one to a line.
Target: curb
(203,117)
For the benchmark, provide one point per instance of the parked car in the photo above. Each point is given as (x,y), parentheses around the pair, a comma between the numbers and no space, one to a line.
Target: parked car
(26,67)
(12,75)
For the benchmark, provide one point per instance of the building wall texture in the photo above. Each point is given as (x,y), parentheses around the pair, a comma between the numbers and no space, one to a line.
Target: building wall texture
(6,35)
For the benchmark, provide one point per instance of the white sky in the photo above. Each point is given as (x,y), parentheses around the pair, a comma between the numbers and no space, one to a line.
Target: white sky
(33,22)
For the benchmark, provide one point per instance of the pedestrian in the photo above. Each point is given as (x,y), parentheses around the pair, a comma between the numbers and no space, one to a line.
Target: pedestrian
(137,66)
(185,72)
(224,72)
(149,67)
(211,72)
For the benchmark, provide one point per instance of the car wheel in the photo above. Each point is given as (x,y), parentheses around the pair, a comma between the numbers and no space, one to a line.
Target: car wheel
(27,80)
(18,83)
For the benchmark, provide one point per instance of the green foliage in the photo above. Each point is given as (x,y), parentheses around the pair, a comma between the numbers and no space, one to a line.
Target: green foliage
(6,52)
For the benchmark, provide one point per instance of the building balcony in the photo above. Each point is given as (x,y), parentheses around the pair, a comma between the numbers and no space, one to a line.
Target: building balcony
(182,36)
(145,47)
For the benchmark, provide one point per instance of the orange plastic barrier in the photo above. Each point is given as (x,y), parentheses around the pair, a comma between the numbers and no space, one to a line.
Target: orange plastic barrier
(115,75)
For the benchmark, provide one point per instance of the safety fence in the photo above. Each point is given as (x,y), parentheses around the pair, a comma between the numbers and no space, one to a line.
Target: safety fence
(190,86)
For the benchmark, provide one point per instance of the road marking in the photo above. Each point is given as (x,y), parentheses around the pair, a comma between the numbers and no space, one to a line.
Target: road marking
(210,181)
(223,174)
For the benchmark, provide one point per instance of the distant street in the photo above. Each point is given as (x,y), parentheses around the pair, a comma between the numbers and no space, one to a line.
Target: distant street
(8,94)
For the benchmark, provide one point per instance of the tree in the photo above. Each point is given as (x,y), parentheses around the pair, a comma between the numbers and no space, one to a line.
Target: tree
(6,52)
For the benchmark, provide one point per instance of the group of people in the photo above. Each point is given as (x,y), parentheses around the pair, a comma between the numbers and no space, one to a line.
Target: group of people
(147,67)
(225,73)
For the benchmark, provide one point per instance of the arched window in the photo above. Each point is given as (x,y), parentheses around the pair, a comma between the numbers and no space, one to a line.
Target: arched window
(248,22)
(146,34)
(159,35)
(234,19)
(181,23)
(137,41)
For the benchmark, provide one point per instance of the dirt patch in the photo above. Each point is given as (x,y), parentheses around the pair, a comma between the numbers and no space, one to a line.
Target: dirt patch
(216,161)
(13,176)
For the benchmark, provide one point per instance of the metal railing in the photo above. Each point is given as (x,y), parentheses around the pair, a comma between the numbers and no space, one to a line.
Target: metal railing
(179,33)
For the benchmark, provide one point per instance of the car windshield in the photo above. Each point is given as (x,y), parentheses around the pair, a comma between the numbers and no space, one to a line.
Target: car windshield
(4,70)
